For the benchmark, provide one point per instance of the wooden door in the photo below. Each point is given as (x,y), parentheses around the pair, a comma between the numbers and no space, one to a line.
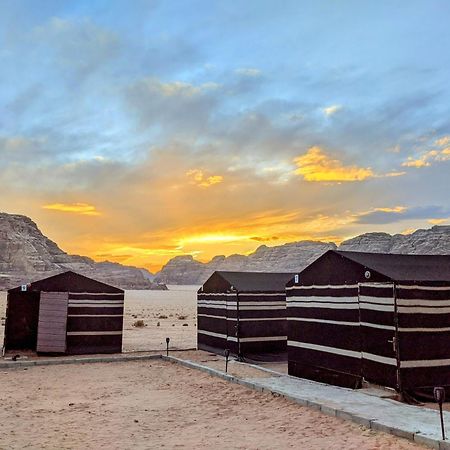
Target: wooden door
(52,324)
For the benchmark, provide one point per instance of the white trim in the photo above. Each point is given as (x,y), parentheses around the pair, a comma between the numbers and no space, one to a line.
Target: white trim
(371,299)
(316,298)
(95,302)
(326,349)
(263,338)
(97,305)
(256,308)
(93,333)
(95,315)
(377,325)
(324,286)
(425,363)
(423,302)
(424,288)
(333,322)
(387,285)
(257,319)
(279,303)
(418,309)
(221,294)
(323,305)
(262,294)
(115,294)
(424,330)
(210,333)
(373,307)
(379,359)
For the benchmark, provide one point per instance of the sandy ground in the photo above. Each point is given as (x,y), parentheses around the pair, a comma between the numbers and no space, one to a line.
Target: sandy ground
(161,405)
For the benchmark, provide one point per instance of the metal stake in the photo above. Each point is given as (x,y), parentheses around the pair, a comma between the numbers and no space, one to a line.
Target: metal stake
(167,345)
(439,396)
(227,354)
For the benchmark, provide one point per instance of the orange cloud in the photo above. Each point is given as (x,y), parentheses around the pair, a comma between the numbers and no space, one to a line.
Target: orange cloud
(331,110)
(427,158)
(199,179)
(77,208)
(316,165)
(443,141)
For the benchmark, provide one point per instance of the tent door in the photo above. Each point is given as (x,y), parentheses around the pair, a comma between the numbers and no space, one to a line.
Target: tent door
(51,336)
(378,333)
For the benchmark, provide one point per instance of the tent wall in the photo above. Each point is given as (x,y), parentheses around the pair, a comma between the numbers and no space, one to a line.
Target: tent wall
(424,334)
(214,331)
(22,315)
(377,319)
(95,322)
(262,322)
(324,342)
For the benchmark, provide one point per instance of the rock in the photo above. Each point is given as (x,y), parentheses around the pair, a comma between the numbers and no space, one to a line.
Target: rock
(295,256)
(27,255)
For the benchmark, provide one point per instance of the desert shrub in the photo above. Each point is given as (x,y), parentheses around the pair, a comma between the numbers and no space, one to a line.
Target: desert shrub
(162,316)
(139,323)
(182,317)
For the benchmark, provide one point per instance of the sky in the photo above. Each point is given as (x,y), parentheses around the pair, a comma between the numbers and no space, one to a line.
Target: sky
(136,131)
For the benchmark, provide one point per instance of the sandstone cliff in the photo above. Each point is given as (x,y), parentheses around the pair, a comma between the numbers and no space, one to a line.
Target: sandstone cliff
(294,257)
(27,255)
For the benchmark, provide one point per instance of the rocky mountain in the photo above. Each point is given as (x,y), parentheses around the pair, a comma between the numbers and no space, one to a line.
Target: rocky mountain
(295,256)
(27,255)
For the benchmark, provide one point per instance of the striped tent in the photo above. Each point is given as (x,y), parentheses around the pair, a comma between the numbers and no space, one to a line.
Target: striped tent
(380,317)
(65,314)
(244,312)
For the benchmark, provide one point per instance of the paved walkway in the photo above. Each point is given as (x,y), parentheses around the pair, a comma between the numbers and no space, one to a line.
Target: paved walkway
(383,414)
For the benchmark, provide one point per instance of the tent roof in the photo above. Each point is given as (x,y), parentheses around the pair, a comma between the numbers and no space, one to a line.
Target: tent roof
(256,281)
(404,267)
(69,281)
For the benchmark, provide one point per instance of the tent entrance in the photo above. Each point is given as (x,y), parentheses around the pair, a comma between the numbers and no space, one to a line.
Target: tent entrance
(377,309)
(52,325)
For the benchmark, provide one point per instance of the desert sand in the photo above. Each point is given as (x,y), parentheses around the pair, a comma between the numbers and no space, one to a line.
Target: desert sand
(157,404)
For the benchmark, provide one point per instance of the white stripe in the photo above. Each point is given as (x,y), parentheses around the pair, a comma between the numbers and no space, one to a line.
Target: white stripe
(263,338)
(93,333)
(256,308)
(316,298)
(343,352)
(418,309)
(95,315)
(371,299)
(326,349)
(333,322)
(423,302)
(220,294)
(116,294)
(280,303)
(210,333)
(371,306)
(378,285)
(262,294)
(324,286)
(424,288)
(377,325)
(95,302)
(323,305)
(97,305)
(425,363)
(247,319)
(380,359)
(423,330)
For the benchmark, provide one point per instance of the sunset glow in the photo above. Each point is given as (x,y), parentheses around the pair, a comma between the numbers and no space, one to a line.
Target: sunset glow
(140,131)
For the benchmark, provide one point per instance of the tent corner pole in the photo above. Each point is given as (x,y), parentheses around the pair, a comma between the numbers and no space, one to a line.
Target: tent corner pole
(397,345)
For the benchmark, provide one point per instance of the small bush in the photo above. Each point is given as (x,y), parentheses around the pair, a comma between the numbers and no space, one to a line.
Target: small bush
(162,316)
(185,324)
(182,317)
(139,324)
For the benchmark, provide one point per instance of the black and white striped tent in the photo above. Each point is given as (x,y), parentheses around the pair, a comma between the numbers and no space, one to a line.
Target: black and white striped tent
(244,312)
(380,317)
(66,313)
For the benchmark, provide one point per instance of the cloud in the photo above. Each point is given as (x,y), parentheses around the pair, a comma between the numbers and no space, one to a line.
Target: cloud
(84,209)
(331,110)
(316,166)
(442,142)
(248,72)
(391,215)
(198,178)
(428,158)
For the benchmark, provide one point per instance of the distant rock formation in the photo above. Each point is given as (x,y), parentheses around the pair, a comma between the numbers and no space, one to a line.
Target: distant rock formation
(27,255)
(295,256)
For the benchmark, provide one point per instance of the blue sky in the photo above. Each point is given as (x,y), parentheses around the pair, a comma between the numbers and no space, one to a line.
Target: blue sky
(141,130)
